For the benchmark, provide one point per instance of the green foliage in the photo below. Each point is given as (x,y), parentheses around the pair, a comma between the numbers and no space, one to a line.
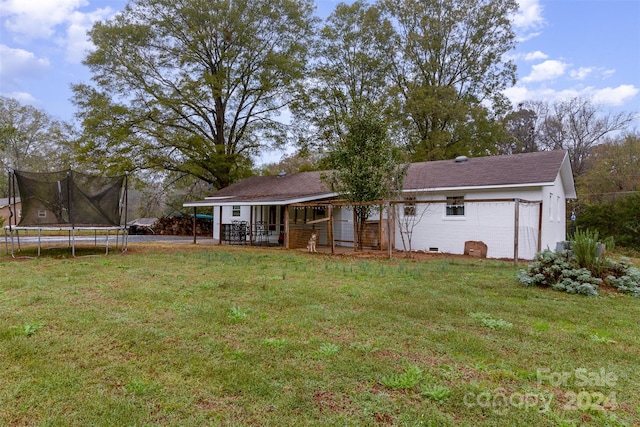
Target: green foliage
(578,281)
(237,315)
(31,140)
(450,70)
(561,271)
(192,87)
(624,277)
(490,322)
(616,218)
(119,355)
(28,329)
(352,67)
(436,392)
(275,342)
(328,350)
(612,169)
(601,340)
(546,269)
(367,165)
(585,249)
(140,387)
(406,380)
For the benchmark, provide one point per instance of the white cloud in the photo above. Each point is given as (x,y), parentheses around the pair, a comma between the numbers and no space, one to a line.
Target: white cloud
(527,20)
(581,73)
(547,70)
(529,15)
(23,98)
(18,63)
(517,94)
(77,43)
(608,96)
(37,19)
(615,96)
(57,21)
(534,56)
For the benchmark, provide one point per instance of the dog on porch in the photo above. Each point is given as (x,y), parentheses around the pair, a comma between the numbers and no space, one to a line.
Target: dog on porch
(311,246)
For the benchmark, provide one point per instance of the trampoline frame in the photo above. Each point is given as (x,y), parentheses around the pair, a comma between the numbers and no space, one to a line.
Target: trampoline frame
(12,230)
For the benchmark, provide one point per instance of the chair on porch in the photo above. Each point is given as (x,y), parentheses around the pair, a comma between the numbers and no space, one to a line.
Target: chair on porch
(261,233)
(239,232)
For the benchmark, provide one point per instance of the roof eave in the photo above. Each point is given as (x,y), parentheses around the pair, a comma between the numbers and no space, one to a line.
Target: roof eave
(276,202)
(476,187)
(566,174)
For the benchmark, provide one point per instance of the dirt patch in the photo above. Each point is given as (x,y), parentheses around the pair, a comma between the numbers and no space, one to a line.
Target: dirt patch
(328,401)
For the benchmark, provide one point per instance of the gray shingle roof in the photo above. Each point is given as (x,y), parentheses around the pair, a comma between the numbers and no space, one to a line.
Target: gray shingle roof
(275,188)
(518,169)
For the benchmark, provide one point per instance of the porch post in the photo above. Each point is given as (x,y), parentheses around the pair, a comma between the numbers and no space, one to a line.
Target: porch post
(332,242)
(286,226)
(220,226)
(540,228)
(251,225)
(390,207)
(194,224)
(355,230)
(516,230)
(380,230)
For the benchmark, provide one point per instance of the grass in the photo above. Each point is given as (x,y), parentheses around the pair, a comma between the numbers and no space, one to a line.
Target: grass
(194,336)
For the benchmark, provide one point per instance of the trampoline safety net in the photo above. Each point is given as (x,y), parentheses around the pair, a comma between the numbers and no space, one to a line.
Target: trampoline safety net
(69,198)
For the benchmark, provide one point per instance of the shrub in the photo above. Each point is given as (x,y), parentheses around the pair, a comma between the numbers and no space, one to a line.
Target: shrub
(585,249)
(561,271)
(578,281)
(546,269)
(624,277)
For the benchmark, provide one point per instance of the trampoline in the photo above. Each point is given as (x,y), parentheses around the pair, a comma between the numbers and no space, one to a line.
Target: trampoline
(67,201)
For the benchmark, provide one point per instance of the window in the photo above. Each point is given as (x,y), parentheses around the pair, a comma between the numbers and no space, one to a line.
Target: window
(409,206)
(236,211)
(455,206)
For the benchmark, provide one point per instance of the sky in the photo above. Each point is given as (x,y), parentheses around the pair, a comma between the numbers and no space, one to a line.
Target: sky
(566,48)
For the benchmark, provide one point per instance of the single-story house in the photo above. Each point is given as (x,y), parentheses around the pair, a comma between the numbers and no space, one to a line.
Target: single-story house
(510,206)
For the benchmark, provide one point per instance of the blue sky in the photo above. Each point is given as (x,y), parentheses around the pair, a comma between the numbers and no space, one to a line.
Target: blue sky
(567,48)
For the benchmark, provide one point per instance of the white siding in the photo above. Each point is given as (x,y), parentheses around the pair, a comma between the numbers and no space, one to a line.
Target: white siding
(553,215)
(488,222)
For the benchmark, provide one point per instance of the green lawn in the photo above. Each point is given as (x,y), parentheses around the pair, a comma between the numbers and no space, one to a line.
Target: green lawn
(194,336)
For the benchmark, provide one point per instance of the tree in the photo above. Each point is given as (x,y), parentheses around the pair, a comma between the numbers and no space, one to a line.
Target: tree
(450,70)
(609,190)
(578,126)
(612,170)
(352,66)
(192,86)
(368,167)
(521,128)
(31,140)
(616,218)
(291,164)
